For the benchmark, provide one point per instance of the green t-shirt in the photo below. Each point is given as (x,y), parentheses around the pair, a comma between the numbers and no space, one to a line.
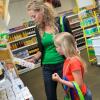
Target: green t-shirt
(50,55)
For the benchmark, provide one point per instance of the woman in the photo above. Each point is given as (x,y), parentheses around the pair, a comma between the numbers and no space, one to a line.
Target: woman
(44,16)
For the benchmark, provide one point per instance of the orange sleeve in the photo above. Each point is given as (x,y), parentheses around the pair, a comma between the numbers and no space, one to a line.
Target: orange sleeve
(75,65)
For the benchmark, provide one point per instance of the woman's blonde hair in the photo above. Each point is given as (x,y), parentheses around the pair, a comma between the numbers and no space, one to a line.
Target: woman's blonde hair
(67,43)
(47,10)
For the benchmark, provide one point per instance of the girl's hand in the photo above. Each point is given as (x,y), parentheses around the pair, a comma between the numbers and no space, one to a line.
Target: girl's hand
(56,77)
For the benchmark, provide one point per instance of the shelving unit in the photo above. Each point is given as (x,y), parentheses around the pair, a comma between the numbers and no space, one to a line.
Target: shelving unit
(90,26)
(23,43)
(76,30)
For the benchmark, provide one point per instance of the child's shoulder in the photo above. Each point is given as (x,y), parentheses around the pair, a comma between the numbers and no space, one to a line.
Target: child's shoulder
(75,59)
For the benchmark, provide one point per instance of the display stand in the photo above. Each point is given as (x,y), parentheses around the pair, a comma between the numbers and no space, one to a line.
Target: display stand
(11,86)
(89,24)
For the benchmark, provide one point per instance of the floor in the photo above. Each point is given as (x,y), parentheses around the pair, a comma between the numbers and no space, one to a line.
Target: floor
(34,81)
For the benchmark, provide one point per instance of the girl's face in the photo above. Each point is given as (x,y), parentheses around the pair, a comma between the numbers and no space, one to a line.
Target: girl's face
(59,50)
(36,16)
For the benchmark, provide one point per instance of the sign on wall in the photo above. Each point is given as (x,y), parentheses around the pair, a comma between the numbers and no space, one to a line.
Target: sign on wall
(85,3)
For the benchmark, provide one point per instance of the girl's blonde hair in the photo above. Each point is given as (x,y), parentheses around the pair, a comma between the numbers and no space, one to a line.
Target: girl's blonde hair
(67,43)
(47,10)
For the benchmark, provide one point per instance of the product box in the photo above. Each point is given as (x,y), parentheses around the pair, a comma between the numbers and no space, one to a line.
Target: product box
(18,82)
(16,89)
(5,84)
(24,63)
(26,94)
(3,95)
(19,96)
(10,94)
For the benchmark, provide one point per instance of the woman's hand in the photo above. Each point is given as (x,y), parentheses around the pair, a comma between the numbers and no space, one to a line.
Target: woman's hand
(56,77)
(32,60)
(35,58)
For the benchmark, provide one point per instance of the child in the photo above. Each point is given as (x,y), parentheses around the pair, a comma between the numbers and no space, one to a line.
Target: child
(74,67)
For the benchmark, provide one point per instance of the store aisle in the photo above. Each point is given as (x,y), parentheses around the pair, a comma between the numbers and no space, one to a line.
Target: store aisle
(34,81)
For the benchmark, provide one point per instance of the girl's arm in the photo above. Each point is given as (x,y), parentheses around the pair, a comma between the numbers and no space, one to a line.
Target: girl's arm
(56,77)
(77,77)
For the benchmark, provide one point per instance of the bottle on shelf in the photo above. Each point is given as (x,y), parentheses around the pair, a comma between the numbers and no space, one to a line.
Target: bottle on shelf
(30,50)
(17,44)
(13,46)
(22,43)
(12,38)
(28,33)
(31,31)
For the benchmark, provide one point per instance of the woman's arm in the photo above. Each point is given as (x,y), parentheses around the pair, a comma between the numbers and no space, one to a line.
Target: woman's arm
(35,58)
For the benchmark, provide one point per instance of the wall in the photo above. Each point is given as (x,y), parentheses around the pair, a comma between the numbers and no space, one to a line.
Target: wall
(66,5)
(19,15)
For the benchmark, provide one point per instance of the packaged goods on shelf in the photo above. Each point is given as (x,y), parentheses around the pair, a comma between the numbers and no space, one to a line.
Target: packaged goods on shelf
(89,24)
(23,43)
(76,30)
(24,63)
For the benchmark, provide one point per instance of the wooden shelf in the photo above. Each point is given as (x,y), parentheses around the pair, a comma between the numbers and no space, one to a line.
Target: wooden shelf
(79,38)
(22,29)
(76,29)
(23,51)
(82,48)
(22,38)
(88,26)
(23,47)
(72,23)
(73,15)
(28,57)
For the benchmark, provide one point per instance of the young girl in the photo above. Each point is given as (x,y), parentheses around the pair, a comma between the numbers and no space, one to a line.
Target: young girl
(74,67)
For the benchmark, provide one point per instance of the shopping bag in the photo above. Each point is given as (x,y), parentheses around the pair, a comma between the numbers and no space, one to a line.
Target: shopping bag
(78,90)
(70,96)
(67,97)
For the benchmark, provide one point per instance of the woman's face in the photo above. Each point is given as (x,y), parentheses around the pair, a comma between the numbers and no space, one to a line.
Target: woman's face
(36,16)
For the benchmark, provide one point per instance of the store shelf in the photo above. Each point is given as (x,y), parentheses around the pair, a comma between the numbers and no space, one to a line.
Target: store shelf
(77,35)
(72,23)
(76,29)
(23,38)
(73,15)
(88,26)
(23,47)
(82,48)
(89,36)
(79,38)
(28,69)
(81,43)
(28,57)
(22,29)
(26,36)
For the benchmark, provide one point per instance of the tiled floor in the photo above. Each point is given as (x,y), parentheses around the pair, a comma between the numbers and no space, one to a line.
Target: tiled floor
(34,81)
